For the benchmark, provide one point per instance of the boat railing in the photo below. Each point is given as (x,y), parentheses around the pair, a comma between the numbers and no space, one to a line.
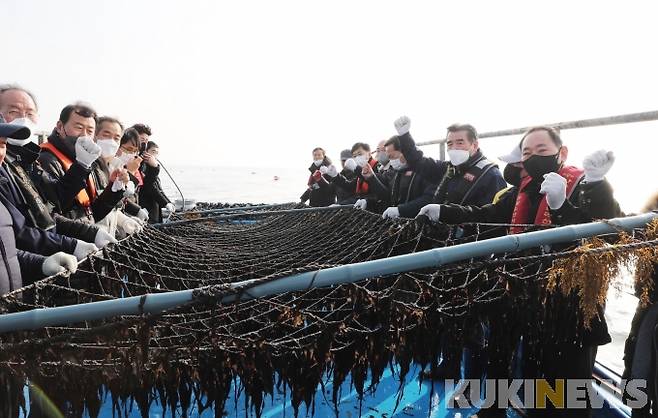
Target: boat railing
(575,124)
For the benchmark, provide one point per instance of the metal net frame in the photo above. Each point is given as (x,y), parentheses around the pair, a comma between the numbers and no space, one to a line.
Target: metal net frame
(293,341)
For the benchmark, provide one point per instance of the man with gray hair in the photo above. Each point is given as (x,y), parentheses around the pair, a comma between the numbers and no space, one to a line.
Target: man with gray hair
(19,107)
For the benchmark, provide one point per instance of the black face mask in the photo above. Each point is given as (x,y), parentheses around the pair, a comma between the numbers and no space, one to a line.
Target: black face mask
(538,165)
(66,138)
(512,175)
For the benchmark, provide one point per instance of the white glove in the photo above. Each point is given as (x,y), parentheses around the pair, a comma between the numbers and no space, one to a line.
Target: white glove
(86,151)
(170,207)
(361,204)
(350,164)
(323,169)
(331,171)
(103,238)
(118,185)
(143,215)
(58,263)
(554,187)
(391,213)
(130,189)
(432,211)
(402,125)
(128,224)
(83,248)
(597,164)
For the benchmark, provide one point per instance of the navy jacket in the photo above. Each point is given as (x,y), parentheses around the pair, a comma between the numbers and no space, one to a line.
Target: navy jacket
(482,192)
(32,239)
(28,178)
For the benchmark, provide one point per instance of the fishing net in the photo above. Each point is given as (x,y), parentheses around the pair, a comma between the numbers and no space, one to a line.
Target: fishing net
(294,341)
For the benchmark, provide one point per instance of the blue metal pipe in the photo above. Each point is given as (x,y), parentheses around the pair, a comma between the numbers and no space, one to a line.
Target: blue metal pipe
(158,302)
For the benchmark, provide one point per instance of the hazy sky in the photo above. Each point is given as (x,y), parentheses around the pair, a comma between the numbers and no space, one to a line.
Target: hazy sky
(263,82)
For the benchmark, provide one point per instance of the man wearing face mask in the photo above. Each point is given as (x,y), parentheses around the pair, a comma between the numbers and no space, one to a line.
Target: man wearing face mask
(319,190)
(26,237)
(403,191)
(343,196)
(111,178)
(72,139)
(351,178)
(467,179)
(25,183)
(553,193)
(382,156)
(71,148)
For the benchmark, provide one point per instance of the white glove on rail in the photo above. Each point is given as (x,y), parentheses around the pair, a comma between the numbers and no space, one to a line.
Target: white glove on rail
(391,213)
(58,263)
(432,211)
(103,238)
(82,249)
(143,215)
(361,204)
(128,224)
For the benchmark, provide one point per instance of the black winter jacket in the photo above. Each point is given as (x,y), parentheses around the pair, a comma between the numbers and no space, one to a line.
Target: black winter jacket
(321,192)
(404,189)
(151,195)
(65,202)
(588,202)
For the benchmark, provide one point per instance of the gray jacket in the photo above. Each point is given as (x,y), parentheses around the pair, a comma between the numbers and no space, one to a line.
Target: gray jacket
(10,271)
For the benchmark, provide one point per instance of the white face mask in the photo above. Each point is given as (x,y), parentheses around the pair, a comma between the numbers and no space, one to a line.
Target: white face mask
(398,165)
(458,156)
(317,163)
(361,160)
(382,157)
(28,124)
(109,147)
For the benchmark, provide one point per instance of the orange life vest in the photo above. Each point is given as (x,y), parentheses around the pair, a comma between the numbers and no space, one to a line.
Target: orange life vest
(86,195)
(522,206)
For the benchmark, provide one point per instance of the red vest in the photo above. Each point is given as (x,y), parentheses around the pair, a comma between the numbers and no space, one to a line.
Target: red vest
(521,213)
(362,186)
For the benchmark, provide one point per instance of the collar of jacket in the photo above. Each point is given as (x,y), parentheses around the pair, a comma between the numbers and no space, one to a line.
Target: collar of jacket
(25,155)
(472,160)
(60,144)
